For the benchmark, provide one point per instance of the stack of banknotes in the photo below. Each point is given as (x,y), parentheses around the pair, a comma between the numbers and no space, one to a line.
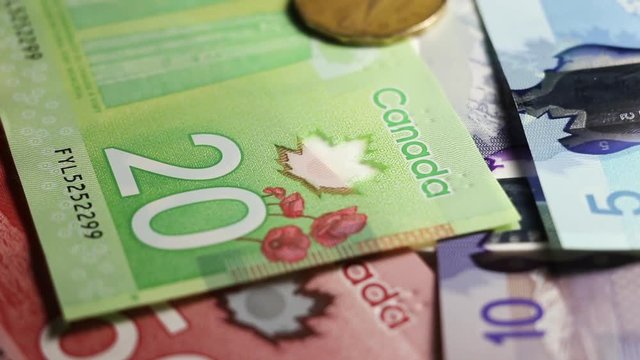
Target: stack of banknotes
(206,179)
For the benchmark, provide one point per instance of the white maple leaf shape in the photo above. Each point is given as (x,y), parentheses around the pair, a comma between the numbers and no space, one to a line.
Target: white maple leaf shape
(272,309)
(327,168)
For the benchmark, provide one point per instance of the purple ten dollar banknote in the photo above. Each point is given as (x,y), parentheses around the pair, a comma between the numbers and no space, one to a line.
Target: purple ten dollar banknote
(498,304)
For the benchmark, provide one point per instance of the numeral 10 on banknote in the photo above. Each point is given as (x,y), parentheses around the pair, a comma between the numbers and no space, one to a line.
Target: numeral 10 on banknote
(498,336)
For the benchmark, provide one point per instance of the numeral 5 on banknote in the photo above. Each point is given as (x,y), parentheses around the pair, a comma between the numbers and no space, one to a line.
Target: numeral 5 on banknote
(617,203)
(576,89)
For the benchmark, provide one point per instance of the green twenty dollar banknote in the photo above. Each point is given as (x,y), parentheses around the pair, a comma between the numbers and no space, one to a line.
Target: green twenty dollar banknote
(167,148)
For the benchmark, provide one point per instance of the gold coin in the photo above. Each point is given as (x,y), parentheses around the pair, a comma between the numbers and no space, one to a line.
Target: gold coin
(368,21)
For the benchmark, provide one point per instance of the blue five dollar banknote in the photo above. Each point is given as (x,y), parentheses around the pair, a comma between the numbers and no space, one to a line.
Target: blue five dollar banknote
(573,70)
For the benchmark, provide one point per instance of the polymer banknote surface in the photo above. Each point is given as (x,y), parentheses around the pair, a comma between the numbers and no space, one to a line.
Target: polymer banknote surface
(458,53)
(169,148)
(368,309)
(572,67)
(497,303)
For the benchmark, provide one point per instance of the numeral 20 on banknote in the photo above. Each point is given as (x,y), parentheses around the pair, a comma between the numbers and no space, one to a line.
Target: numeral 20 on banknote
(122,163)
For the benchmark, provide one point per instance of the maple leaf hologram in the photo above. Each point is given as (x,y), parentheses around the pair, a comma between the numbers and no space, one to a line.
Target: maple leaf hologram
(327,168)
